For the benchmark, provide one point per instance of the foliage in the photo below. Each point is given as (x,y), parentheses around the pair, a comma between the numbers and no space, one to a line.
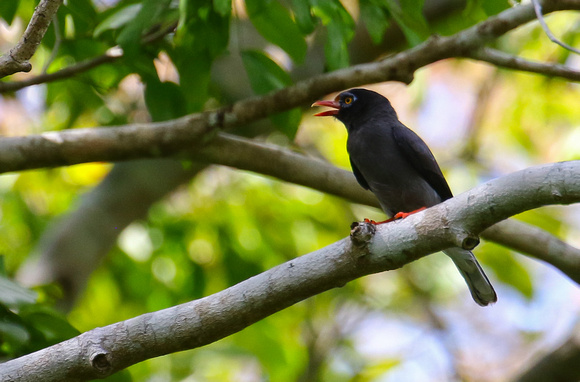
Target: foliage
(227,225)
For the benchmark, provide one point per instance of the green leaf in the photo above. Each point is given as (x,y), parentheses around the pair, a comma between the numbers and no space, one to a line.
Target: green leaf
(52,325)
(409,16)
(150,14)
(223,7)
(8,10)
(340,26)
(303,17)
(375,18)
(118,19)
(13,333)
(275,24)
(164,100)
(508,269)
(84,16)
(202,35)
(493,7)
(265,76)
(14,295)
(288,122)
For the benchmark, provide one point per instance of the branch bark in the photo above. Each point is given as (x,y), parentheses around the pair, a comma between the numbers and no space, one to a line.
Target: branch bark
(504,60)
(67,72)
(16,60)
(162,139)
(103,351)
(296,168)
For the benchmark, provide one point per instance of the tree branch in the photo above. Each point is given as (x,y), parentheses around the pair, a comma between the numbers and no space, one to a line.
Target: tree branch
(504,60)
(162,139)
(103,351)
(16,60)
(547,31)
(289,166)
(67,72)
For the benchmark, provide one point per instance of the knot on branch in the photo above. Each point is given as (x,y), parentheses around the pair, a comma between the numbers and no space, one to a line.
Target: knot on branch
(466,240)
(361,233)
(469,242)
(101,362)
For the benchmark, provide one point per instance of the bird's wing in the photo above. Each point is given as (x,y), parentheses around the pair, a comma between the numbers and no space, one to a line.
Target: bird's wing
(420,157)
(357,174)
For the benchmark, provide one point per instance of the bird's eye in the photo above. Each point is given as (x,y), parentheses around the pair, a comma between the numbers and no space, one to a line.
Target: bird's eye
(348,100)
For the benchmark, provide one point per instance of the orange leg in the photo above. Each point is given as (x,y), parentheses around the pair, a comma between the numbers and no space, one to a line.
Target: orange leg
(398,215)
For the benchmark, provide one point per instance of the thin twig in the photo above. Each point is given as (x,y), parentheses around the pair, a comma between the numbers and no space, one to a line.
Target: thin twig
(67,72)
(112,55)
(547,31)
(501,59)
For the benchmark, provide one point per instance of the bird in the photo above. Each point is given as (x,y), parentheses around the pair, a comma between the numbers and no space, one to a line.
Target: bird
(394,163)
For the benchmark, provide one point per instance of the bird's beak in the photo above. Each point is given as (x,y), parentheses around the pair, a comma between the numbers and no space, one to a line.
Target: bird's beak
(333,104)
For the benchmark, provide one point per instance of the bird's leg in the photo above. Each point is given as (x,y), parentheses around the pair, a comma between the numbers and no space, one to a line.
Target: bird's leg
(377,223)
(402,215)
(398,215)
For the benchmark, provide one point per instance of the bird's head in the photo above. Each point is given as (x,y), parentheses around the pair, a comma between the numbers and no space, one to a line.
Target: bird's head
(356,105)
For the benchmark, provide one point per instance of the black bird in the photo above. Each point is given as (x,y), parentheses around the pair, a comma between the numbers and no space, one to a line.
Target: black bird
(397,166)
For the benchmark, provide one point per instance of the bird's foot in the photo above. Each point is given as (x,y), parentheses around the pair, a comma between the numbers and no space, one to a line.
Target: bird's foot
(398,215)
(402,215)
(377,223)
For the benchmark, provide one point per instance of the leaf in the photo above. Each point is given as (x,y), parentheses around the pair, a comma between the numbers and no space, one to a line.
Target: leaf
(118,19)
(8,10)
(375,18)
(164,100)
(223,7)
(340,27)
(202,35)
(150,13)
(275,24)
(493,7)
(52,325)
(303,17)
(13,333)
(84,16)
(14,295)
(508,269)
(410,18)
(265,76)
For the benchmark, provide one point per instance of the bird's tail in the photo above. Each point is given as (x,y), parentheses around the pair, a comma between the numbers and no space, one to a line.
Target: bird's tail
(481,289)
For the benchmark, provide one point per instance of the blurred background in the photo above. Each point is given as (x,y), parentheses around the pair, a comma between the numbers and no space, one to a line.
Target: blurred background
(99,243)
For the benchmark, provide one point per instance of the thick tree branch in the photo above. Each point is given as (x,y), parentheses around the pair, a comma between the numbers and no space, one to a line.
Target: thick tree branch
(504,60)
(162,139)
(16,60)
(103,351)
(296,168)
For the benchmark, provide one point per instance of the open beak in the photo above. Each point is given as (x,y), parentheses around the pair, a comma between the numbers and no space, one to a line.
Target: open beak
(333,104)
